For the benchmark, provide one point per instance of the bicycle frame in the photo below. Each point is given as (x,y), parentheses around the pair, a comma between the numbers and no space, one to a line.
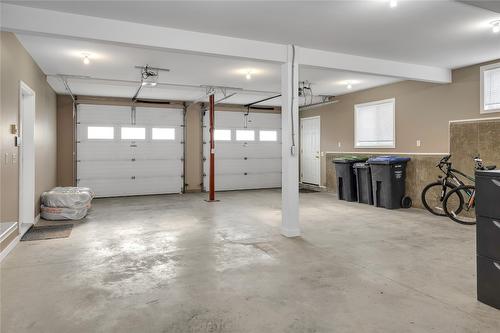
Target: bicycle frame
(451,174)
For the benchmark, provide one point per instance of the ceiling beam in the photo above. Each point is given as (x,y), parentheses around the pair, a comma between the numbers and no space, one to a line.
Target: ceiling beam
(29,20)
(349,62)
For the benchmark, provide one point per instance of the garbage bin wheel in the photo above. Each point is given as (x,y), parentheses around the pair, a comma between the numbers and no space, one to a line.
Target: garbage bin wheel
(406,202)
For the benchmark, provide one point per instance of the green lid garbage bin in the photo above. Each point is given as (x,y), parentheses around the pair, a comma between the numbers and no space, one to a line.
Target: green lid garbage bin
(364,182)
(346,179)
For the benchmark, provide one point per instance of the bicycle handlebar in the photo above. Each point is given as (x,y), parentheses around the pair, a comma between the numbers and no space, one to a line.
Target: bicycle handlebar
(444,160)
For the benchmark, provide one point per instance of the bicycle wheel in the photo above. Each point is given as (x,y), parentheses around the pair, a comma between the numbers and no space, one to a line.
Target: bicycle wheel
(433,196)
(459,204)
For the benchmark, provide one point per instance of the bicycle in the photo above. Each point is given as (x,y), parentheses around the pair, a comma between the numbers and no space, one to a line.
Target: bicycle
(450,196)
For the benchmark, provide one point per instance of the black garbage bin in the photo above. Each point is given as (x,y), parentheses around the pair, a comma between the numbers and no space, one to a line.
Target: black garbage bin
(388,180)
(364,183)
(346,180)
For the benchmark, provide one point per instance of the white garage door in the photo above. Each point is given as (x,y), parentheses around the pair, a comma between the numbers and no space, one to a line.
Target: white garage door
(247,152)
(116,158)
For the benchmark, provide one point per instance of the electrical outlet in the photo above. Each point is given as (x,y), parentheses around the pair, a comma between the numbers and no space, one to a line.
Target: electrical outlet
(14,158)
(418,143)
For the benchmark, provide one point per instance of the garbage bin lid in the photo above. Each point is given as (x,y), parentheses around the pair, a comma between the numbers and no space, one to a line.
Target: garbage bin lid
(350,159)
(388,159)
(362,165)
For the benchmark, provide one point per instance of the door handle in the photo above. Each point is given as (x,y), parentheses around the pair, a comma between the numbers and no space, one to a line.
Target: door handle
(496,223)
(497,265)
(496,182)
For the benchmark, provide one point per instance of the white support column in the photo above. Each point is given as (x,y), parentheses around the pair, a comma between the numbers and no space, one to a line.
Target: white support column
(290,147)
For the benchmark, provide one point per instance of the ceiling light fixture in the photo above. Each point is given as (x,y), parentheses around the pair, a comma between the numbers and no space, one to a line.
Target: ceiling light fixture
(248,76)
(86,59)
(393,3)
(349,86)
(495,26)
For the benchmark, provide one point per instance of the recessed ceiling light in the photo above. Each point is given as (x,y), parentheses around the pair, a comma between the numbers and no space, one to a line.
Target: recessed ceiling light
(495,26)
(393,3)
(86,58)
(349,86)
(248,75)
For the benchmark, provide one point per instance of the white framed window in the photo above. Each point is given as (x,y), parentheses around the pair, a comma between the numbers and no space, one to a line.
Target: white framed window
(162,133)
(245,135)
(100,133)
(374,124)
(266,135)
(222,135)
(490,88)
(133,133)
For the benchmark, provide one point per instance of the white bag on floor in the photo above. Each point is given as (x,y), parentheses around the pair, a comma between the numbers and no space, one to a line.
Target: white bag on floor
(62,213)
(67,197)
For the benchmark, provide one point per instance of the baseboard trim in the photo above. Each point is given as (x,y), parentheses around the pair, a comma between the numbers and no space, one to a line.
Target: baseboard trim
(9,231)
(9,248)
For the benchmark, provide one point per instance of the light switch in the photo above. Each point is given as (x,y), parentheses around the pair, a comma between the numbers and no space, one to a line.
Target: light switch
(14,158)
(322,153)
(418,143)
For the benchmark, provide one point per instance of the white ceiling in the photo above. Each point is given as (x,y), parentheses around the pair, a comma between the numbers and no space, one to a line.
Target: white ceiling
(439,33)
(114,66)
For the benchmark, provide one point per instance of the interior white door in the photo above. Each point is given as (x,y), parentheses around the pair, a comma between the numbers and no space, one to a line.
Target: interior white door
(121,152)
(26,158)
(310,150)
(247,150)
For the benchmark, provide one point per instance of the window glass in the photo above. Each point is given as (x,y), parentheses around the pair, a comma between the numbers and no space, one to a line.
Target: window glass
(163,133)
(268,135)
(374,124)
(222,135)
(245,135)
(133,133)
(491,88)
(100,132)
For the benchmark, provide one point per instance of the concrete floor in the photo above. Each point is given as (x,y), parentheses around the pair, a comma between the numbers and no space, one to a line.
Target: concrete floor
(178,264)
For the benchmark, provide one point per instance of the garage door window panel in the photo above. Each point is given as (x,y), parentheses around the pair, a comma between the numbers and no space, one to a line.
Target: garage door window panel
(245,135)
(133,133)
(222,135)
(100,133)
(268,136)
(158,133)
(374,124)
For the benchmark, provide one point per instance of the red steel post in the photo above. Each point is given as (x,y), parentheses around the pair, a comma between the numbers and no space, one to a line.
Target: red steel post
(212,149)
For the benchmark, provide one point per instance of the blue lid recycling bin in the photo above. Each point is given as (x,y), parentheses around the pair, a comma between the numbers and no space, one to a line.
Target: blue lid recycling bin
(388,180)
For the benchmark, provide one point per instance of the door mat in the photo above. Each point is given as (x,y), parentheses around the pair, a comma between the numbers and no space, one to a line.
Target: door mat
(306,190)
(47,232)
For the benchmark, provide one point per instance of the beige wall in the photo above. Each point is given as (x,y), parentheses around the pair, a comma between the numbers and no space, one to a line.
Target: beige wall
(194,147)
(17,65)
(423,112)
(65,141)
